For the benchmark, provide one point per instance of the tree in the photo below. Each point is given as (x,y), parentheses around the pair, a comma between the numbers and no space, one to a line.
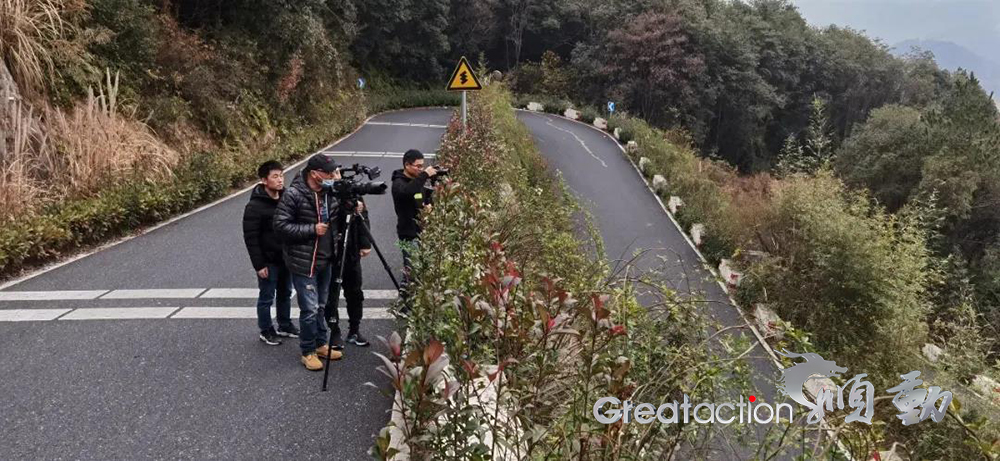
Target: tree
(816,151)
(655,69)
(472,27)
(555,80)
(406,38)
(886,155)
(858,75)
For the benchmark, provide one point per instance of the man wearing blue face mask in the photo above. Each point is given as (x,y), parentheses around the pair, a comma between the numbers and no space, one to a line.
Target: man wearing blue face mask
(303,222)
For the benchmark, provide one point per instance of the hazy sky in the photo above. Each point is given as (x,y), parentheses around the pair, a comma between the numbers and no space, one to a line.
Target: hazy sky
(974,24)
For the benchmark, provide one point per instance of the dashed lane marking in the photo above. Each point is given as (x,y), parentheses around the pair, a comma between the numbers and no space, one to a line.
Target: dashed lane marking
(371,154)
(240,293)
(119,313)
(412,125)
(30,315)
(373,313)
(172,293)
(126,313)
(50,295)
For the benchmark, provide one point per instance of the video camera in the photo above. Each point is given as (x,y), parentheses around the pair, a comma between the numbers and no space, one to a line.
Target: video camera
(441,173)
(351,184)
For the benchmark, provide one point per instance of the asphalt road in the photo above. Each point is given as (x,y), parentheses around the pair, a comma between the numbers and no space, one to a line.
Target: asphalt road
(206,388)
(194,388)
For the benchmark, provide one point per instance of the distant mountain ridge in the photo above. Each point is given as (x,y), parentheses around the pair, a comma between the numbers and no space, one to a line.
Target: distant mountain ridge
(950,55)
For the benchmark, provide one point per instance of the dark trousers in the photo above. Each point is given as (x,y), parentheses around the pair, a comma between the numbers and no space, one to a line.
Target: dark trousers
(275,289)
(353,294)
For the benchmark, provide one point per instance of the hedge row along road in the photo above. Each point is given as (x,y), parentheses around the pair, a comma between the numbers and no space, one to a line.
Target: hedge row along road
(148,348)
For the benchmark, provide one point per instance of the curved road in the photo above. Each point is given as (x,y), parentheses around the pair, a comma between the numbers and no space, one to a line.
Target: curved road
(187,378)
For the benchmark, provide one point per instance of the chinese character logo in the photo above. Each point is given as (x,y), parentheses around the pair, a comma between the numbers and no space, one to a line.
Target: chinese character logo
(909,399)
(915,404)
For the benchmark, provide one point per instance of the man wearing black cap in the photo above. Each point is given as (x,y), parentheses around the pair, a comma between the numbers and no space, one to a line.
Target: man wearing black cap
(408,198)
(302,221)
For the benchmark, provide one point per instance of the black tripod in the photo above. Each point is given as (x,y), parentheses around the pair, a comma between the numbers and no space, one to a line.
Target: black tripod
(332,314)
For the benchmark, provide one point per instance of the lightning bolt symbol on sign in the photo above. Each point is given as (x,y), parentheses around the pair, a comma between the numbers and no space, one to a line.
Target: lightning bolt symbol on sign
(464,77)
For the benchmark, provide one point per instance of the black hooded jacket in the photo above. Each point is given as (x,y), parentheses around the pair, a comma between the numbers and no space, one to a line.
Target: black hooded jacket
(295,221)
(408,197)
(258,233)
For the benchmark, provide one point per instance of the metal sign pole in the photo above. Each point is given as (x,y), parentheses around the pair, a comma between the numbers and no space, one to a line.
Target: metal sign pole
(464,109)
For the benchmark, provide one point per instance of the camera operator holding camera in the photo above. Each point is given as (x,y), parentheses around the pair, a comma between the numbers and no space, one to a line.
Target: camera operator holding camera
(303,222)
(357,246)
(409,196)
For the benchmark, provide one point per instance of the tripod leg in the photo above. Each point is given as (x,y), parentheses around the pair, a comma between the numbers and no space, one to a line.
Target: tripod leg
(335,293)
(385,264)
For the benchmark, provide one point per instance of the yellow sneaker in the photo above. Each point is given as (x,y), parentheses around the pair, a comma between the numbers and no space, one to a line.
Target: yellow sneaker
(325,350)
(312,362)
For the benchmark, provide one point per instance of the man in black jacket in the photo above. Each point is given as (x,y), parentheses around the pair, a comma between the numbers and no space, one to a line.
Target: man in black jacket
(358,246)
(303,222)
(408,198)
(265,255)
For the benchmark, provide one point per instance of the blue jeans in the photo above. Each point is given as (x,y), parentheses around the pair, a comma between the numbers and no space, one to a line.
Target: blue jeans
(311,292)
(278,281)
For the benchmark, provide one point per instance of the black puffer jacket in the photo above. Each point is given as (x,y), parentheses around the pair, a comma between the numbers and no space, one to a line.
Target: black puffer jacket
(258,233)
(295,221)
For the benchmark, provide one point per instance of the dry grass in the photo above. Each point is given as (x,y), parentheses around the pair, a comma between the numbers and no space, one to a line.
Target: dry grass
(75,153)
(95,143)
(21,139)
(27,28)
(750,212)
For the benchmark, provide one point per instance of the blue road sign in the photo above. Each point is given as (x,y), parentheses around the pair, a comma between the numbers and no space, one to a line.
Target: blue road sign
(611,106)
(361,83)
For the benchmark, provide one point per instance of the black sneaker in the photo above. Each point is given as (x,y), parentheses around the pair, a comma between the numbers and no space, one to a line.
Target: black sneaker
(357,340)
(270,338)
(338,341)
(288,331)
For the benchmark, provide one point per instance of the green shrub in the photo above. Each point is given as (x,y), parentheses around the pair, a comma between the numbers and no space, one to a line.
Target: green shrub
(848,273)
(588,114)
(131,37)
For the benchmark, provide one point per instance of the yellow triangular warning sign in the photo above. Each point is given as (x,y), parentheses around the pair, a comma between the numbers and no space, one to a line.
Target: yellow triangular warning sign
(463,79)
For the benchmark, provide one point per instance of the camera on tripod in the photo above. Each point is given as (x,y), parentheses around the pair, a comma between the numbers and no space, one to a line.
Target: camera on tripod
(352,184)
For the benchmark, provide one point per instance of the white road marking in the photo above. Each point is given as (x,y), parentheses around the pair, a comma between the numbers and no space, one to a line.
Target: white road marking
(119,313)
(369,154)
(549,123)
(29,315)
(379,294)
(124,313)
(413,125)
(171,293)
(50,295)
(233,293)
(251,293)
(374,313)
